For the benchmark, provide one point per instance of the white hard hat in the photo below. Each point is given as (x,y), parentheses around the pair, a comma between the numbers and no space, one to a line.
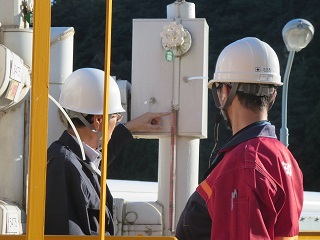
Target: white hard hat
(83,92)
(248,60)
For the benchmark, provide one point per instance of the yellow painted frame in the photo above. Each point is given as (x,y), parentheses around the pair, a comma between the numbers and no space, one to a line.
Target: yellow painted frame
(38,123)
(63,237)
(39,132)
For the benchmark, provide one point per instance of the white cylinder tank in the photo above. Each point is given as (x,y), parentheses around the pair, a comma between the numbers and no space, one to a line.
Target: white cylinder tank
(61,66)
(10,12)
(20,42)
(14,127)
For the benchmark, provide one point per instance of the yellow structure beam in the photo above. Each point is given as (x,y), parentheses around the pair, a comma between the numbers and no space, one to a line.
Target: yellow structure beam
(63,237)
(39,131)
(309,235)
(302,236)
(39,120)
(104,165)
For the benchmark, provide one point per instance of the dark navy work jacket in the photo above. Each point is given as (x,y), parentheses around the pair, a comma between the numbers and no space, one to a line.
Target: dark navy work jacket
(73,187)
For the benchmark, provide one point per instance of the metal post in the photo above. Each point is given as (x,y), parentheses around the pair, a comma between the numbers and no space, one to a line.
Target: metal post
(284,132)
(39,121)
(104,165)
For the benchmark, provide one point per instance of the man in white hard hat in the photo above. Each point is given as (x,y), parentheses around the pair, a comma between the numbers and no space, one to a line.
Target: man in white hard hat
(73,174)
(253,188)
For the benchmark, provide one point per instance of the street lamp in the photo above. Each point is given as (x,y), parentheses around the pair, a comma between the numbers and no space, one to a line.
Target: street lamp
(296,34)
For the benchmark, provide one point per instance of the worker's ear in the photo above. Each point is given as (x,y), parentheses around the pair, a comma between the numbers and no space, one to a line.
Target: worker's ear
(224,92)
(273,98)
(97,121)
(99,118)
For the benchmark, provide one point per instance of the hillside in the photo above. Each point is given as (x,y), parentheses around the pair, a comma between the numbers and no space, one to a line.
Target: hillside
(228,21)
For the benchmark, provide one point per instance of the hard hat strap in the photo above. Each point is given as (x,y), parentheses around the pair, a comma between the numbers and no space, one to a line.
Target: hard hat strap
(230,98)
(256,89)
(231,95)
(85,122)
(215,97)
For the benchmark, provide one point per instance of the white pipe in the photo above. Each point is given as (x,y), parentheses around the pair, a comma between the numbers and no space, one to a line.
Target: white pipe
(187,167)
(173,138)
(164,181)
(187,170)
(176,83)
(181,9)
(71,124)
(173,167)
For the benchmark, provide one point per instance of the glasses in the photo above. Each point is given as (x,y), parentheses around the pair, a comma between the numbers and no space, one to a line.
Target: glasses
(118,116)
(217,87)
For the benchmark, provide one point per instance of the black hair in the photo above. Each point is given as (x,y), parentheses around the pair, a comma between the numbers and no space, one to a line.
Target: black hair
(254,102)
(77,122)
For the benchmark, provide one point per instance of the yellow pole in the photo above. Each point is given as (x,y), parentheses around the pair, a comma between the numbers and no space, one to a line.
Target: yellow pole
(104,164)
(39,120)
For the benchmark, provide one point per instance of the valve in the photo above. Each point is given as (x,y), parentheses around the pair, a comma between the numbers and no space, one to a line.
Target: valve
(175,38)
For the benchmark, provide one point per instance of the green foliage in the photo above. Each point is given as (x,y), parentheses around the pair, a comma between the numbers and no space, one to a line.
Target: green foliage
(139,161)
(228,21)
(310,165)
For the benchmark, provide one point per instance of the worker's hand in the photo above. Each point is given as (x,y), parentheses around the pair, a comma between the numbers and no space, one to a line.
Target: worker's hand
(146,122)
(114,118)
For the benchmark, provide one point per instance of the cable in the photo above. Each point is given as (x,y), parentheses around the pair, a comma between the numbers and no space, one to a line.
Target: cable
(217,120)
(71,124)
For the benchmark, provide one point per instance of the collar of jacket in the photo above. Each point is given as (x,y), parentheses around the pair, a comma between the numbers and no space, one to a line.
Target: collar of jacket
(257,129)
(67,140)
(254,130)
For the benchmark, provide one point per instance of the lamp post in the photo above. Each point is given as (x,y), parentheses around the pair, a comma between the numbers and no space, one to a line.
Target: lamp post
(296,34)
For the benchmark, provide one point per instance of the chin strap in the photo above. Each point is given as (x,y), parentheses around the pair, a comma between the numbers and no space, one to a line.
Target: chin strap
(230,98)
(88,125)
(217,120)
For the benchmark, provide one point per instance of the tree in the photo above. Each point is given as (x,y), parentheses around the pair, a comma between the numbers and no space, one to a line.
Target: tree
(310,165)
(228,20)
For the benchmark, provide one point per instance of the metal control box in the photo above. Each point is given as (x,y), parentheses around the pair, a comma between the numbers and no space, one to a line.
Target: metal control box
(160,85)
(10,219)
